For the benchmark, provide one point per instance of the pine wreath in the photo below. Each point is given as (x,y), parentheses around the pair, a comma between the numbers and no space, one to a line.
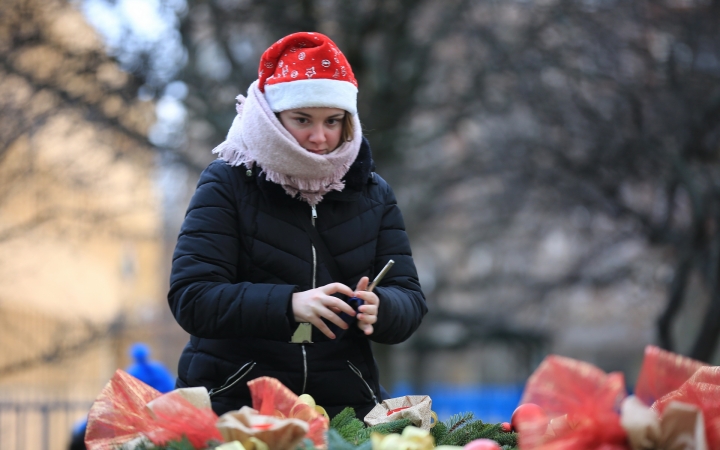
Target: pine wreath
(457,430)
(348,433)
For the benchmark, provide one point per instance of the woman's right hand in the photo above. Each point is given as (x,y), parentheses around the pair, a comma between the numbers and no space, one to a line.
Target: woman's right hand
(313,305)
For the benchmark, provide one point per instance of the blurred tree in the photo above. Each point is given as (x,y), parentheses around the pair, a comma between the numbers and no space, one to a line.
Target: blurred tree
(70,117)
(625,100)
(52,63)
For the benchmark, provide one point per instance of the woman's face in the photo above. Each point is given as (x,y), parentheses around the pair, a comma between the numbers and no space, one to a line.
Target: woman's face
(317,130)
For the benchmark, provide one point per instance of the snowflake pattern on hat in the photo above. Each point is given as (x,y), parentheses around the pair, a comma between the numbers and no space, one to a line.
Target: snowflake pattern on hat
(301,52)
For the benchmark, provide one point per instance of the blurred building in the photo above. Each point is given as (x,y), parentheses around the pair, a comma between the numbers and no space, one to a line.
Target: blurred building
(81,248)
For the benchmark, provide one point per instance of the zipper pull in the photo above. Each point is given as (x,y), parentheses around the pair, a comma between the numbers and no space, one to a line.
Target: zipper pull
(314,213)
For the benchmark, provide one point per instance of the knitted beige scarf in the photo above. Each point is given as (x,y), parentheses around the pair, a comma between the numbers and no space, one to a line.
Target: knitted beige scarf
(257,137)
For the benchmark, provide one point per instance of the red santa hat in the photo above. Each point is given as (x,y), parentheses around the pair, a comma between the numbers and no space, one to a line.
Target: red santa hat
(306,70)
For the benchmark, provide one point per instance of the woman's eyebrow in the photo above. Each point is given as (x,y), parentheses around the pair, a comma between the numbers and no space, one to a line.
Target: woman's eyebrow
(308,116)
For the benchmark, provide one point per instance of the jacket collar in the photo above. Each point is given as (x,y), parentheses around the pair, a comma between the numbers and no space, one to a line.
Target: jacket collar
(361,169)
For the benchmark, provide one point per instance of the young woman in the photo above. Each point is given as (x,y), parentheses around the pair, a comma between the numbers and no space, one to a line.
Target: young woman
(251,278)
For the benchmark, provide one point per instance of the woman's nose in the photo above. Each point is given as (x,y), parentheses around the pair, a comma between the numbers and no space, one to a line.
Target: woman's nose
(317,134)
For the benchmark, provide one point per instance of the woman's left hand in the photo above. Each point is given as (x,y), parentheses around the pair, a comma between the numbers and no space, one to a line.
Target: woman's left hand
(367,313)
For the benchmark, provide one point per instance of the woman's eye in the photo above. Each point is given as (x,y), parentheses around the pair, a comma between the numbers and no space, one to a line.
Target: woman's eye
(332,122)
(302,120)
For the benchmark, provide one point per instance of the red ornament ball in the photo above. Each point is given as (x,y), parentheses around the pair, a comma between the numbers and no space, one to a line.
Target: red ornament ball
(482,444)
(529,413)
(506,427)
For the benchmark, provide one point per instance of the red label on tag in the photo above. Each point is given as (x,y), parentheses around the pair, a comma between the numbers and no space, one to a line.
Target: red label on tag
(393,411)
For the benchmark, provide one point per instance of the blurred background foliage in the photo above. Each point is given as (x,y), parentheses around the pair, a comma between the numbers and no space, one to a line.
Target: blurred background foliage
(557,161)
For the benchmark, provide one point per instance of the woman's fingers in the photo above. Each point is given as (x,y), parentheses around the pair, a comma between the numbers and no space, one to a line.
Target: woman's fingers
(314,305)
(368,297)
(362,285)
(367,313)
(366,328)
(323,311)
(335,303)
(333,288)
(371,302)
(320,325)
(367,317)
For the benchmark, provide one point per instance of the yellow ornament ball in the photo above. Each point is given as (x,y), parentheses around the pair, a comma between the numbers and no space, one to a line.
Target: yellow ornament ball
(307,399)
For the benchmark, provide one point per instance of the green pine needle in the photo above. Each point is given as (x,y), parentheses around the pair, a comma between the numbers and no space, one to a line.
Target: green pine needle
(343,418)
(336,442)
(465,432)
(396,426)
(347,425)
(307,444)
(183,444)
(458,420)
(350,431)
(439,431)
(508,440)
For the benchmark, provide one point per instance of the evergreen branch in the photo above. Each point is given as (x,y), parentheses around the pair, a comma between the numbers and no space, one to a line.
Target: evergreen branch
(343,418)
(488,431)
(439,431)
(347,425)
(509,440)
(458,420)
(337,442)
(183,444)
(479,430)
(396,426)
(306,444)
(350,431)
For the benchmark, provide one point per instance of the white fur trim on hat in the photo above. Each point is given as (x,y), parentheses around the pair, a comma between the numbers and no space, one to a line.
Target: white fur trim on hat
(317,93)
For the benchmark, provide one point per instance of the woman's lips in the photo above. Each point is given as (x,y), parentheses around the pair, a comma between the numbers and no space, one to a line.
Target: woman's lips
(317,152)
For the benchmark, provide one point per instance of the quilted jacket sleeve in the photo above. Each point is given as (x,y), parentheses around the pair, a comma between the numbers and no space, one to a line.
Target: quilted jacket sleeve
(402,303)
(204,296)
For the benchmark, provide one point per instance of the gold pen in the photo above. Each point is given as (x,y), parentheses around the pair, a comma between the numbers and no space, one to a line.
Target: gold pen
(380,276)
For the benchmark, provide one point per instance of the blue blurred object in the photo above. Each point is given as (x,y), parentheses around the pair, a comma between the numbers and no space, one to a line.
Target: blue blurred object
(152,373)
(77,437)
(491,403)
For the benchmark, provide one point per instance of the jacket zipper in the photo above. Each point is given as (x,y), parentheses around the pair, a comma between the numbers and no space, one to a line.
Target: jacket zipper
(228,384)
(313,216)
(314,276)
(359,374)
(304,369)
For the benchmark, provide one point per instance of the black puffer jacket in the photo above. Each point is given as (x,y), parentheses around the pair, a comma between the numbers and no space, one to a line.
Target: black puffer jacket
(241,254)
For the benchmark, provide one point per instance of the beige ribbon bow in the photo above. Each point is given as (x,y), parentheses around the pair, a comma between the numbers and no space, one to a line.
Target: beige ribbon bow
(245,424)
(681,426)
